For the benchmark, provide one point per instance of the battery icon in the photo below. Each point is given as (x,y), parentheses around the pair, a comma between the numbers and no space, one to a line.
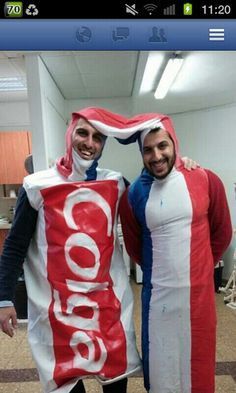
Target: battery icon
(13,9)
(188,9)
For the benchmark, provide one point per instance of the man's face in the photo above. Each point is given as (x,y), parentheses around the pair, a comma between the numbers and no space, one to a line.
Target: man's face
(158,153)
(87,141)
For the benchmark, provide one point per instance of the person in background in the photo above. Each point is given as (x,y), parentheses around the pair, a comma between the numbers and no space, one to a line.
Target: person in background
(80,301)
(29,165)
(218,275)
(20,298)
(176,225)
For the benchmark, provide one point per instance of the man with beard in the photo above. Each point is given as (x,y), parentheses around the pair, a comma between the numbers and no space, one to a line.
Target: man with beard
(176,226)
(80,304)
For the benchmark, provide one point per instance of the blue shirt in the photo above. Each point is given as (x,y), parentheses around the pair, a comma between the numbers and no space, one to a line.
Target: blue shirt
(15,247)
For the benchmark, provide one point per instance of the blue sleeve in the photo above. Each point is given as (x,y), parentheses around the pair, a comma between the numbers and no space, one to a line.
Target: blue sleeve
(16,245)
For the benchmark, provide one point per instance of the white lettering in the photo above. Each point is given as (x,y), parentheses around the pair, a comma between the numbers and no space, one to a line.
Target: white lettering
(70,319)
(82,240)
(86,195)
(88,363)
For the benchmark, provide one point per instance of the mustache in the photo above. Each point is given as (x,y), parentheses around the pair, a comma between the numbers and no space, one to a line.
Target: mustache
(162,160)
(84,147)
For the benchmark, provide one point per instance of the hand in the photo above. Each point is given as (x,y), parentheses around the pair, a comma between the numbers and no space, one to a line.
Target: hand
(189,164)
(8,320)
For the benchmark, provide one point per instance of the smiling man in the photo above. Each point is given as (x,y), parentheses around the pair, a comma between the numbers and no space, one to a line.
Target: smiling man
(176,225)
(87,141)
(158,153)
(80,300)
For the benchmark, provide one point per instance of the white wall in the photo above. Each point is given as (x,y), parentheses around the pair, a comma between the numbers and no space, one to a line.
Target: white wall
(14,116)
(126,159)
(47,112)
(209,137)
(54,112)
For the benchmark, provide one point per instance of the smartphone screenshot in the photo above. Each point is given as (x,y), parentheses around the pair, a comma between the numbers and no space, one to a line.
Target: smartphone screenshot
(141,61)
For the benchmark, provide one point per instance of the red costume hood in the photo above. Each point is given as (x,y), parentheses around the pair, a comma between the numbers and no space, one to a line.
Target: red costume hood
(125,130)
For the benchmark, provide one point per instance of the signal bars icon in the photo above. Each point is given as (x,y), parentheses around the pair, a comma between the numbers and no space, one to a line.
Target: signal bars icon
(169,10)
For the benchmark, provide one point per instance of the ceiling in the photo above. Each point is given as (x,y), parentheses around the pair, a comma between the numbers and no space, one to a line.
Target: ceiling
(206,79)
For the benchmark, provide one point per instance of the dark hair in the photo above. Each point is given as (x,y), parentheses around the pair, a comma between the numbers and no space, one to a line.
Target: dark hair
(29,166)
(156,129)
(153,130)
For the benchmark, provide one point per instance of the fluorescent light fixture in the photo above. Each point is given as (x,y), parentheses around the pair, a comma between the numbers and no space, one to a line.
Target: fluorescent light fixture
(172,68)
(154,61)
(13,84)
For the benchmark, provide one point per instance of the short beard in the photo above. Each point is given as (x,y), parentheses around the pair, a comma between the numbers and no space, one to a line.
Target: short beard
(167,173)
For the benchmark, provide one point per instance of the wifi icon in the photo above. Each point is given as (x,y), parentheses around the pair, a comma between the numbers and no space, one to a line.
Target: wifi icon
(150,8)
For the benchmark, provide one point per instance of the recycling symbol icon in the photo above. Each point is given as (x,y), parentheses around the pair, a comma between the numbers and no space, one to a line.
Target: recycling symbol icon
(32,10)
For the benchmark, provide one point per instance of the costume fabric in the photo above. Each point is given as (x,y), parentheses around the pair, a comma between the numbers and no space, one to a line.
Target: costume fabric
(80,300)
(176,228)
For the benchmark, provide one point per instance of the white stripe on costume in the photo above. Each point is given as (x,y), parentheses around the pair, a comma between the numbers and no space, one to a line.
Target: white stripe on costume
(39,300)
(168,206)
(124,293)
(122,133)
(147,130)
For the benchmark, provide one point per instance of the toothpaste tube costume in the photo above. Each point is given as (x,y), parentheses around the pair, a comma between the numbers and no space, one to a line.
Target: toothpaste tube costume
(80,300)
(176,228)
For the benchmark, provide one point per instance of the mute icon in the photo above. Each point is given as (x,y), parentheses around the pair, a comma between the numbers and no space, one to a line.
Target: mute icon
(131,9)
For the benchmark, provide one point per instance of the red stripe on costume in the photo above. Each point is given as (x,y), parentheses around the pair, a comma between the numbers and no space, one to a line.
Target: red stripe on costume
(202,301)
(88,336)
(130,228)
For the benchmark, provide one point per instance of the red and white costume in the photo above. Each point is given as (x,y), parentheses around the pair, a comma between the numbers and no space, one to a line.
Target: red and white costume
(177,228)
(80,300)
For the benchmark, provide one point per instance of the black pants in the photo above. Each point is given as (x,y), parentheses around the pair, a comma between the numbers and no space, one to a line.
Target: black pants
(115,387)
(218,277)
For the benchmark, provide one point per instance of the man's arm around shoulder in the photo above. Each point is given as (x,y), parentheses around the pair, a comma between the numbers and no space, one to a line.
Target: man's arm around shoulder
(219,217)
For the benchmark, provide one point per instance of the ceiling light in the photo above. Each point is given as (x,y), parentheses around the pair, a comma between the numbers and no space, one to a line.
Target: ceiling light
(153,64)
(12,84)
(171,70)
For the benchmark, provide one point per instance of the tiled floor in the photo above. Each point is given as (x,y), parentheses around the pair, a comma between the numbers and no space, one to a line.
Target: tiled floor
(18,374)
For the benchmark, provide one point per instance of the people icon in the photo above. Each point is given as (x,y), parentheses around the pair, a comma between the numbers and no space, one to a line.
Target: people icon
(158,35)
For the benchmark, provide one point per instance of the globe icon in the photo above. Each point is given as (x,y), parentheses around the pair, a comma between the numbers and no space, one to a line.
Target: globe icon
(83,34)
